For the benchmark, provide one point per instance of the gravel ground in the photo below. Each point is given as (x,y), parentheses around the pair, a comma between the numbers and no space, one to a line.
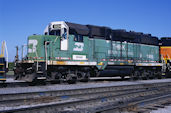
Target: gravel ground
(167,109)
(76,86)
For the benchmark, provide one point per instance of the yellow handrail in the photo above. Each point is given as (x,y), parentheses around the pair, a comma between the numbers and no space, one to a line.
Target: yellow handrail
(2,49)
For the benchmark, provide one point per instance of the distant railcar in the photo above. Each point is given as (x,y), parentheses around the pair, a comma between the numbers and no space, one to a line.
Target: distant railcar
(71,52)
(165,50)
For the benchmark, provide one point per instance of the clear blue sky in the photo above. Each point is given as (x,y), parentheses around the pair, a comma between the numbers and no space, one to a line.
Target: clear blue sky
(21,18)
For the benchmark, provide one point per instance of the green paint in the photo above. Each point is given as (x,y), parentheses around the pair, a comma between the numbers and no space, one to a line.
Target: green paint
(94,49)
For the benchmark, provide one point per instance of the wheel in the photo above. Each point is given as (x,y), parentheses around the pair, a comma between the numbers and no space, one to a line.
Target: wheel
(159,75)
(85,77)
(135,75)
(94,73)
(16,76)
(56,77)
(151,75)
(38,82)
(71,78)
(145,75)
(168,74)
(131,77)
(168,70)
(122,77)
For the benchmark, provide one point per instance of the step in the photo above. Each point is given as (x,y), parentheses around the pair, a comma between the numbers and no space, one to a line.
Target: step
(2,71)
(2,78)
(39,72)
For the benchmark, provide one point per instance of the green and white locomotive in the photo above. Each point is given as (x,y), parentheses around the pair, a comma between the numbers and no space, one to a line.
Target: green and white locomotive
(71,52)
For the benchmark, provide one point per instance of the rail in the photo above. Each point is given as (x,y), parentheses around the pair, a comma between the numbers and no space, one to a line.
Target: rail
(96,99)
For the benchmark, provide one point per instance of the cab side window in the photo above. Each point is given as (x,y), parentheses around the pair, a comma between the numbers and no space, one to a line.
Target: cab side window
(78,38)
(65,34)
(55,32)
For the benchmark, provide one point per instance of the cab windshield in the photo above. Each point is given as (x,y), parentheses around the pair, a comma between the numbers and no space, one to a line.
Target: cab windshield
(55,32)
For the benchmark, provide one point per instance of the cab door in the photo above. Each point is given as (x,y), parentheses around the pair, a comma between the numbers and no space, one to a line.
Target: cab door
(64,39)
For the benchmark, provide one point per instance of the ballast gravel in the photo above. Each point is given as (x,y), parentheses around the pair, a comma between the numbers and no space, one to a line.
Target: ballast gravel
(56,87)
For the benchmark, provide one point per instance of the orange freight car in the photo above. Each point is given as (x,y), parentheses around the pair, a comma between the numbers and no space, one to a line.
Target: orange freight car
(166,52)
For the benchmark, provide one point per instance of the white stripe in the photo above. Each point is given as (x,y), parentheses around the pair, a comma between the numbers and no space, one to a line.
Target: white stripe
(149,64)
(111,63)
(62,58)
(71,63)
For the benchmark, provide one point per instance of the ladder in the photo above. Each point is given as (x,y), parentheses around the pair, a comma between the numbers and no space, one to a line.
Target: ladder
(3,62)
(164,65)
(2,69)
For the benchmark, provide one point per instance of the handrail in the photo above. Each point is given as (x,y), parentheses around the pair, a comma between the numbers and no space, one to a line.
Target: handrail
(3,51)
(46,53)
(6,54)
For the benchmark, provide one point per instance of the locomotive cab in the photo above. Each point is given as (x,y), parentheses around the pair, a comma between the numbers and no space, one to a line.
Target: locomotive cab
(61,29)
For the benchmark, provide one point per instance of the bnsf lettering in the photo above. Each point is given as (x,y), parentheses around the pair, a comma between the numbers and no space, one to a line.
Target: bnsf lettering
(78,46)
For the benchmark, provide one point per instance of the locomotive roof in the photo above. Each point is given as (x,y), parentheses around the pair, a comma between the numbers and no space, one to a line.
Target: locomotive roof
(98,31)
(122,33)
(103,32)
(166,38)
(166,41)
(78,28)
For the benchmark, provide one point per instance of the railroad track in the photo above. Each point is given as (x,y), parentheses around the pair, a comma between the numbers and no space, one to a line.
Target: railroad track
(27,84)
(14,84)
(22,84)
(41,83)
(97,99)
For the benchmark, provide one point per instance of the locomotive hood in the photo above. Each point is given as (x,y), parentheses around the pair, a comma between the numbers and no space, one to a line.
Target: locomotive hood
(73,28)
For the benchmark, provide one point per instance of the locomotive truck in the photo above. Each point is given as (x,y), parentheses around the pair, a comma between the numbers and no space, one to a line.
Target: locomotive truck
(71,52)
